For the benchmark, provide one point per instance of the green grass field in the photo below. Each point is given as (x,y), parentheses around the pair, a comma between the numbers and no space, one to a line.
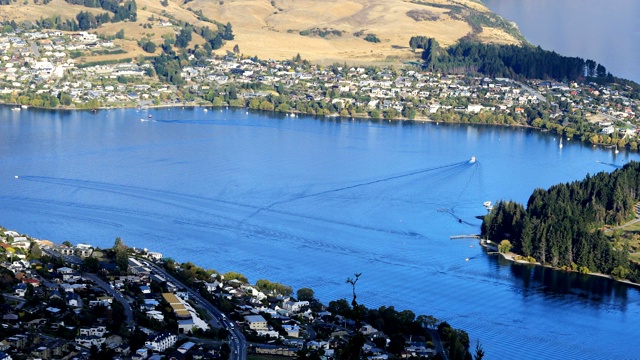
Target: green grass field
(632,234)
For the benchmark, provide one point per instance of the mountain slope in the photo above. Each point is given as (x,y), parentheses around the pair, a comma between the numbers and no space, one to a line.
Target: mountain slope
(324,31)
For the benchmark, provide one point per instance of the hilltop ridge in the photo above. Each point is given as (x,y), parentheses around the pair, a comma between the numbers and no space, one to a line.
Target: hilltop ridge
(355,31)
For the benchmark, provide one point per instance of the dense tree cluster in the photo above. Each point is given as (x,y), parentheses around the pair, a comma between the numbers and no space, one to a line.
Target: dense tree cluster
(184,37)
(121,12)
(269,287)
(400,325)
(511,61)
(456,341)
(561,226)
(168,68)
(372,38)
(86,20)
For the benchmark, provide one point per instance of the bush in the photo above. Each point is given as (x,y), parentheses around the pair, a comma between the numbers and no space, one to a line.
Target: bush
(149,47)
(372,38)
(504,247)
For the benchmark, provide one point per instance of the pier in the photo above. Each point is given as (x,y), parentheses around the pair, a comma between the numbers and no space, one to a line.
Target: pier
(472,236)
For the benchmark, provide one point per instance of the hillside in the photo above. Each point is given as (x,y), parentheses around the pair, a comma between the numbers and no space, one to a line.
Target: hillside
(322,31)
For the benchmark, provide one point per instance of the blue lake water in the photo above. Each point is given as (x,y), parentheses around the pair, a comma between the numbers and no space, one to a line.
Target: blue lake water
(310,202)
(607,31)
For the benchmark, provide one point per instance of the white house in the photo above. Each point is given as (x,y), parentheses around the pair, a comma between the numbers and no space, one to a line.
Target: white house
(256,322)
(294,306)
(155,314)
(608,130)
(211,287)
(87,341)
(154,255)
(292,330)
(96,330)
(474,108)
(65,270)
(161,341)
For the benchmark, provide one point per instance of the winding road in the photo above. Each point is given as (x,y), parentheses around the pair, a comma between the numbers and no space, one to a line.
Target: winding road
(115,294)
(217,319)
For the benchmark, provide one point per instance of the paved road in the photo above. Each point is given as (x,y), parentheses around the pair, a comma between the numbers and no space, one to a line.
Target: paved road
(217,319)
(637,219)
(531,91)
(116,295)
(437,342)
(19,299)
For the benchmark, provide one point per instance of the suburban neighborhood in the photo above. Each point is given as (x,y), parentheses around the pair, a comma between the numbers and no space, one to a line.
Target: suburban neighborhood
(42,69)
(64,301)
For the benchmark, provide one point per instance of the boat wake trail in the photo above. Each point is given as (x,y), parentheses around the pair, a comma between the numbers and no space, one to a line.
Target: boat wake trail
(355,186)
(226,212)
(451,211)
(610,164)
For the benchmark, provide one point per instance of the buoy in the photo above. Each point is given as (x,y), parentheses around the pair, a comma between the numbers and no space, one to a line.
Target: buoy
(16,176)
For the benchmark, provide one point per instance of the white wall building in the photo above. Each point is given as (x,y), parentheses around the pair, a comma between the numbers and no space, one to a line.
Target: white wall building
(161,341)
(256,322)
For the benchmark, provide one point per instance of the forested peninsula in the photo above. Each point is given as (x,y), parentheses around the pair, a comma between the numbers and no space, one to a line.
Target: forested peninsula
(564,226)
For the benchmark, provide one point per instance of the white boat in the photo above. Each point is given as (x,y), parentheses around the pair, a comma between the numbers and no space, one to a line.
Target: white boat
(487,204)
(560,143)
(205,110)
(15,109)
(472,160)
(24,106)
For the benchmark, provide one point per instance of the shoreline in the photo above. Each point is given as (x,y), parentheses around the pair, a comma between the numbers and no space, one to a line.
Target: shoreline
(510,256)
(424,119)
(421,119)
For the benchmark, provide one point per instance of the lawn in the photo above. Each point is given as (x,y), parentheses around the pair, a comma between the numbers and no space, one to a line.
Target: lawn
(632,234)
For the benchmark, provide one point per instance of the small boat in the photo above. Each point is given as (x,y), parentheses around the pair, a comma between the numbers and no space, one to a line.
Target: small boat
(150,116)
(616,150)
(15,109)
(472,160)
(16,176)
(205,110)
(560,143)
(24,106)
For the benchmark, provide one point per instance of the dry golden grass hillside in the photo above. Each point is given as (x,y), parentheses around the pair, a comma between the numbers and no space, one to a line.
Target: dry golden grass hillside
(335,29)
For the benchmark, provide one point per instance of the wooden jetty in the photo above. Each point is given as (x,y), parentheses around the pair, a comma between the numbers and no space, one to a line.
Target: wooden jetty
(472,236)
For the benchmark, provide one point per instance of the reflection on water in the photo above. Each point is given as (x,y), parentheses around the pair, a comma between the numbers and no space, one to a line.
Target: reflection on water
(309,201)
(596,290)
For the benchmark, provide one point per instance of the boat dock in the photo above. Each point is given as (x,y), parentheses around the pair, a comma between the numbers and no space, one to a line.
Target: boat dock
(472,236)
